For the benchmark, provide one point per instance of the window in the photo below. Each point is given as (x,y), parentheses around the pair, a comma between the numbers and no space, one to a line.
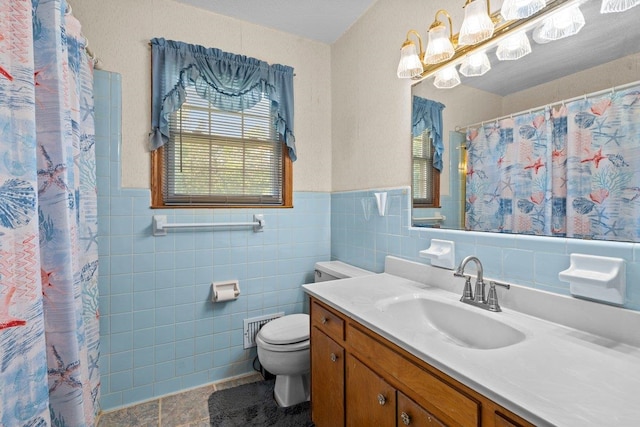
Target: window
(222,158)
(426,178)
(221,129)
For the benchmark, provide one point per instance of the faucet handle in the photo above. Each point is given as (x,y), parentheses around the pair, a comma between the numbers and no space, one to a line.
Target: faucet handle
(504,285)
(492,297)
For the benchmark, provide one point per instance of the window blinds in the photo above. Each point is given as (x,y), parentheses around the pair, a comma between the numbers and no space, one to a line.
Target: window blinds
(217,157)
(423,169)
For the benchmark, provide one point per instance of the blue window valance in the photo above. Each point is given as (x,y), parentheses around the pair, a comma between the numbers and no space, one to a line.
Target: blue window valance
(230,82)
(427,115)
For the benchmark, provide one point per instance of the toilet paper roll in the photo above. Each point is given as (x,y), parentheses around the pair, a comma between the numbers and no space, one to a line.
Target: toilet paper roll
(225,295)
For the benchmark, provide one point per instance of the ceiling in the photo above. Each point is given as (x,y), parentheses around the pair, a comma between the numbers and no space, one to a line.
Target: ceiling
(321,20)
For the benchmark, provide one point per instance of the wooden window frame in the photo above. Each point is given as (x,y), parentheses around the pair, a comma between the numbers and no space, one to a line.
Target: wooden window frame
(435,182)
(157,179)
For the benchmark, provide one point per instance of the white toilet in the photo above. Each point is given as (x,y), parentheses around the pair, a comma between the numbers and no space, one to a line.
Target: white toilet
(283,343)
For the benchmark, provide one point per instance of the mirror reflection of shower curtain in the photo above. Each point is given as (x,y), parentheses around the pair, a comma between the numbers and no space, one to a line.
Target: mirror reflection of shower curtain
(569,171)
(508,187)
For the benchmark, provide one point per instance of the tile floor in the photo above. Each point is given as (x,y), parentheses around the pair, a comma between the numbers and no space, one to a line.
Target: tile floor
(187,409)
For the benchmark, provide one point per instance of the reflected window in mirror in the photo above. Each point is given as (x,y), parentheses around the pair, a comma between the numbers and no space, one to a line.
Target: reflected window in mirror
(427,149)
(426,178)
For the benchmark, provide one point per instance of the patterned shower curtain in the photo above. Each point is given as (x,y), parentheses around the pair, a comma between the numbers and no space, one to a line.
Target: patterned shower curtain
(572,171)
(49,333)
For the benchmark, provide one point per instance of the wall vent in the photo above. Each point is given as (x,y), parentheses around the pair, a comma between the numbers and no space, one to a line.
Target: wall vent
(253,325)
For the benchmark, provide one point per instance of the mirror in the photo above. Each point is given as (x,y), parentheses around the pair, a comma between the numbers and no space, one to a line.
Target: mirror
(605,54)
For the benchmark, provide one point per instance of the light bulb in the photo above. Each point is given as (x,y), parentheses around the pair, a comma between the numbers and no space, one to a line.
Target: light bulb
(447,78)
(609,6)
(514,47)
(475,64)
(477,25)
(439,47)
(520,9)
(564,23)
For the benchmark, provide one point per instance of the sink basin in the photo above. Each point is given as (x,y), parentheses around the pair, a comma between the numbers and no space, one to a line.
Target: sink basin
(457,323)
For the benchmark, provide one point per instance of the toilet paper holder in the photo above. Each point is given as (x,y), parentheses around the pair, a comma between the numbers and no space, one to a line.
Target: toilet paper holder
(225,291)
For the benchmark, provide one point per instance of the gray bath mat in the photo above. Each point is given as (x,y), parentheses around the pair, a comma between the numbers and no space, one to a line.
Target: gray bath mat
(253,405)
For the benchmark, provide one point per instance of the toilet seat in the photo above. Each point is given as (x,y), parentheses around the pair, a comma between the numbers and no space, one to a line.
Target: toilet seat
(283,348)
(288,333)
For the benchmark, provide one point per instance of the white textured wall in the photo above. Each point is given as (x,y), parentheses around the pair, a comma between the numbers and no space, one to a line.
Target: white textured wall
(119,31)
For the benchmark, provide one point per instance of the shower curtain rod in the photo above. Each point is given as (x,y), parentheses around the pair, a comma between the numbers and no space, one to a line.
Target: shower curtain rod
(529,110)
(90,54)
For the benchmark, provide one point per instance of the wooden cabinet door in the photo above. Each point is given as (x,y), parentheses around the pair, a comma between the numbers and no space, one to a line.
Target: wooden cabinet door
(370,400)
(327,380)
(412,414)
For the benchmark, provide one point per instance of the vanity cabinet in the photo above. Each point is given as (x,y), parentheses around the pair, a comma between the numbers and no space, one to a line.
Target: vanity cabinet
(360,378)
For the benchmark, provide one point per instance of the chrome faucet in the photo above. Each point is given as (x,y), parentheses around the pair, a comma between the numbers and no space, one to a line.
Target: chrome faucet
(477,298)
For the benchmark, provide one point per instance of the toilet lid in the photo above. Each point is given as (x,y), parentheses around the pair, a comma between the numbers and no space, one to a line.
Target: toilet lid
(286,330)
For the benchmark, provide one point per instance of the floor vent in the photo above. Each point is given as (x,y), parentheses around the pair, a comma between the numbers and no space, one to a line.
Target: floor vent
(253,325)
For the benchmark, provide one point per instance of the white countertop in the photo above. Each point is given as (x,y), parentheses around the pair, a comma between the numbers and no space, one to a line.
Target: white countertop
(557,376)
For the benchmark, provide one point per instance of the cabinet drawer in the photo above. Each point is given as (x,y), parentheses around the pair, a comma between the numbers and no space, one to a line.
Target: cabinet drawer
(504,421)
(450,405)
(327,321)
(412,414)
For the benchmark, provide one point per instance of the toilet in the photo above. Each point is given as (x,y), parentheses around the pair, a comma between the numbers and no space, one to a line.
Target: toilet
(283,343)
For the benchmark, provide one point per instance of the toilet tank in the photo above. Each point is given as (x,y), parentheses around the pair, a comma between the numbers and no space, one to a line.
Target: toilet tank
(332,270)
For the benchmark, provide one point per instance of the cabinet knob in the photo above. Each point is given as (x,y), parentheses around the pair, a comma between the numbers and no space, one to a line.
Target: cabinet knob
(323,320)
(406,419)
(333,357)
(381,399)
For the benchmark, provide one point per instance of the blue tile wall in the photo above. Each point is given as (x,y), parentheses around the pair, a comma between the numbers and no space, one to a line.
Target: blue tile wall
(160,332)
(363,238)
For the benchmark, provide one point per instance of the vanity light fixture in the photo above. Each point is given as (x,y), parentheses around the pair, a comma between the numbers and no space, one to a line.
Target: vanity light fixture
(477,25)
(609,6)
(514,47)
(447,78)
(548,20)
(564,23)
(519,9)
(440,44)
(475,64)
(444,47)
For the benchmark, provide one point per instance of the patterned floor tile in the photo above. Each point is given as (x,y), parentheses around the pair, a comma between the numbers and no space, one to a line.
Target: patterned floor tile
(143,415)
(186,409)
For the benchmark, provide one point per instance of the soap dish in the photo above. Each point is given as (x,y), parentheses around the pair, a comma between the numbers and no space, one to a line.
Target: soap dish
(441,253)
(596,278)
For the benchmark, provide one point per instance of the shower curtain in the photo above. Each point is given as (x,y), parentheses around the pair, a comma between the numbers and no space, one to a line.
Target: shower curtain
(570,171)
(49,337)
